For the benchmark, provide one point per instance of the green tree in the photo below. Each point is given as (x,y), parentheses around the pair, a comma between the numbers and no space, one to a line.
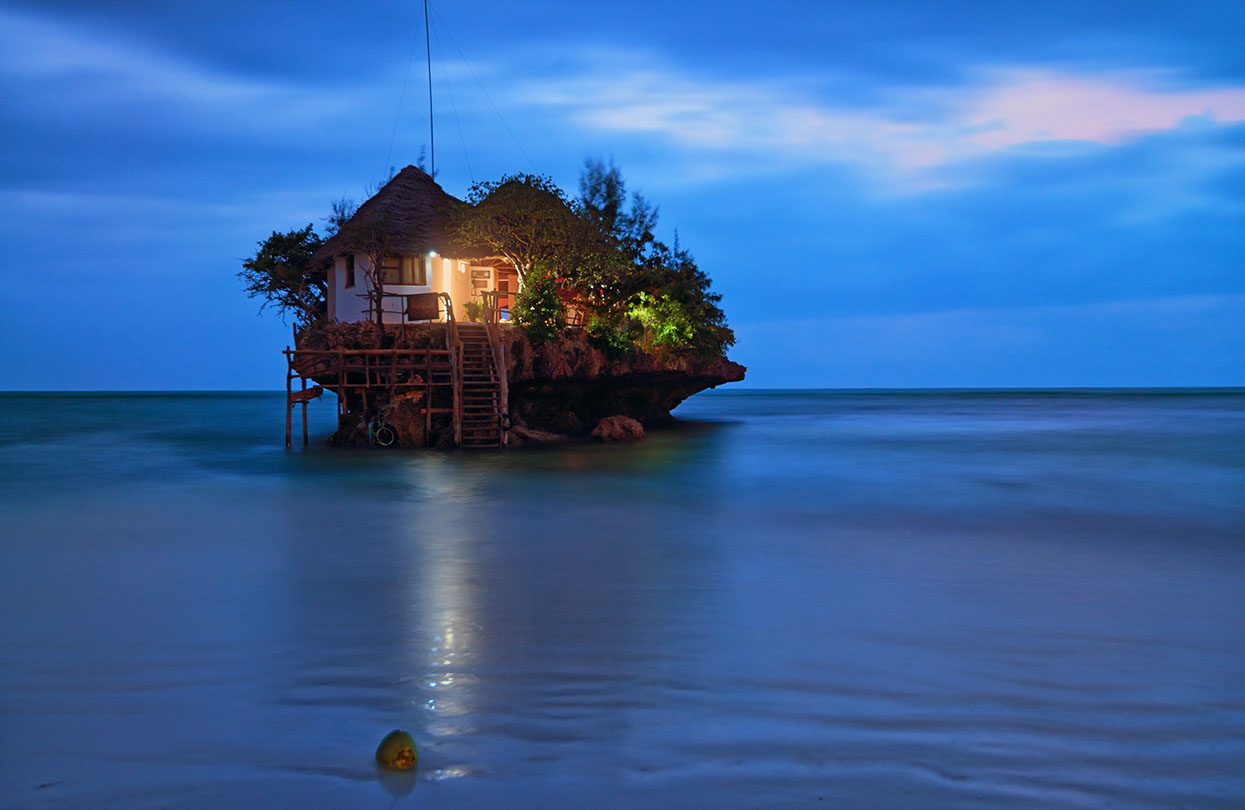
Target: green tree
(646,287)
(523,217)
(282,275)
(340,212)
(538,307)
(603,201)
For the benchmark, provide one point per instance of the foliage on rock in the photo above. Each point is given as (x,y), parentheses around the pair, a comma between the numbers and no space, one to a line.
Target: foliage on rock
(524,217)
(596,254)
(538,307)
(614,336)
(644,288)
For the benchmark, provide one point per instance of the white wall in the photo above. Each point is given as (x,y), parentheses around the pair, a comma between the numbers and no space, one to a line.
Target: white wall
(351,304)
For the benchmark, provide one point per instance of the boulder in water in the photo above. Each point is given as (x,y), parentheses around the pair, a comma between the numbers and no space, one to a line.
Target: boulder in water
(618,429)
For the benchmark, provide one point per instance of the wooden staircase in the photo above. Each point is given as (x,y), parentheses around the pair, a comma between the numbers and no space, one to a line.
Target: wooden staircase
(482,405)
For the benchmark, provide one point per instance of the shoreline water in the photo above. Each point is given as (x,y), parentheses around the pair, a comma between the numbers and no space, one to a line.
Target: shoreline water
(874,599)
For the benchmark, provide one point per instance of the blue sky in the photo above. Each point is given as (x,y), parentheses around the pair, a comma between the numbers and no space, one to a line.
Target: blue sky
(887,194)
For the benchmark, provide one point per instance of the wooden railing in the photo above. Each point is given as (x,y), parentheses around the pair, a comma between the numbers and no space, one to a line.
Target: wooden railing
(360,372)
(491,299)
(455,347)
(503,379)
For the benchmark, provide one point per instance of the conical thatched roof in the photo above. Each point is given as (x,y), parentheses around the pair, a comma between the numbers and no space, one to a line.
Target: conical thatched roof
(412,213)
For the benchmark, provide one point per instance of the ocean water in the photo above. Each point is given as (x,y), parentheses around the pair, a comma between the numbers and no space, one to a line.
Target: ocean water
(793,599)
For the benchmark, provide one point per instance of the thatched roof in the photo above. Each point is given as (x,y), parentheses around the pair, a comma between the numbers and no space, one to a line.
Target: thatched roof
(412,213)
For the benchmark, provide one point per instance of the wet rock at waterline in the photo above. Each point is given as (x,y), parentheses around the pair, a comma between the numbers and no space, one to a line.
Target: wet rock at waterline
(564,386)
(618,429)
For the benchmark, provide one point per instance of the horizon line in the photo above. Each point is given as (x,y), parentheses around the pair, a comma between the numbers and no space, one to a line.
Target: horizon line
(733,389)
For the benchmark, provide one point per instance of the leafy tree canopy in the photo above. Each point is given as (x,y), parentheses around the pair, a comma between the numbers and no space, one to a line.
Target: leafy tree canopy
(636,283)
(281,274)
(524,217)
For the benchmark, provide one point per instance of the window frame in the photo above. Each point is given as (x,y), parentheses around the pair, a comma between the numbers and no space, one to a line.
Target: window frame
(405,271)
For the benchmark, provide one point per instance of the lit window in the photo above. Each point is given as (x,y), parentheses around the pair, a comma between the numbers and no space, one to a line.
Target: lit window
(414,270)
(406,270)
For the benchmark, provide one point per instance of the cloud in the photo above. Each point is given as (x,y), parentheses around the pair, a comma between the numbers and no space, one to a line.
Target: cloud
(33,48)
(65,70)
(1028,106)
(909,137)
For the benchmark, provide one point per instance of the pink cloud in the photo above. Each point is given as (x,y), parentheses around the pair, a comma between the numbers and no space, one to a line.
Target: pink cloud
(1027,106)
(1006,108)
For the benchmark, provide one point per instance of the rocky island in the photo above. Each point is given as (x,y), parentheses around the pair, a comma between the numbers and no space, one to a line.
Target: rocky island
(517,316)
(558,389)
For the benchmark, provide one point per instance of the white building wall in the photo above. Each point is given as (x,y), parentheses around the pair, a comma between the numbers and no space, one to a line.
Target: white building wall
(350,304)
(344,302)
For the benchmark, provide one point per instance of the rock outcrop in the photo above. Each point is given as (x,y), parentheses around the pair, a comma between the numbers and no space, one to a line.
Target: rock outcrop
(618,429)
(564,386)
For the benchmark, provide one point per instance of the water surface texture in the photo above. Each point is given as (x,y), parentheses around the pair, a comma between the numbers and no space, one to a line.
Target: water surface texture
(854,599)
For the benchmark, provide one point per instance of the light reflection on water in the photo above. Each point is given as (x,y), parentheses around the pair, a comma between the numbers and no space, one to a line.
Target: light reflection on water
(443,608)
(926,600)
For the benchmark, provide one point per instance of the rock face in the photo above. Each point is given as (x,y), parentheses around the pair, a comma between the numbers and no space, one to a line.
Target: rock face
(618,429)
(520,435)
(563,386)
(566,385)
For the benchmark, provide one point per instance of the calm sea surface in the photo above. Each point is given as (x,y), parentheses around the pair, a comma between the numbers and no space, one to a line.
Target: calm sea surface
(795,599)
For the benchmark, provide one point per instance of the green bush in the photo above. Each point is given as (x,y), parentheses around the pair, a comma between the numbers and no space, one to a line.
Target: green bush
(681,326)
(616,339)
(666,322)
(474,310)
(537,306)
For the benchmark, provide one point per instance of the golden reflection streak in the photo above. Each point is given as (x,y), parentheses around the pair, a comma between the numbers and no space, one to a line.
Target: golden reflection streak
(443,598)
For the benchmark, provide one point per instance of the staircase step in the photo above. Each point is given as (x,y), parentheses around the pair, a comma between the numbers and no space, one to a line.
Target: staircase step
(480,395)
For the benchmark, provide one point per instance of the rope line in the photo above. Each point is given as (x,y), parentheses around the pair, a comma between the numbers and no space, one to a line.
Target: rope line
(384,172)
(449,89)
(500,117)
(432,137)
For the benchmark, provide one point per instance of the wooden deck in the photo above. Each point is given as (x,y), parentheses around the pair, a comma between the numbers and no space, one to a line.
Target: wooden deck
(466,380)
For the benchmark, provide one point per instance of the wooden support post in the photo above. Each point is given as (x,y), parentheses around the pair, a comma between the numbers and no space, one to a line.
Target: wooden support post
(304,398)
(503,392)
(289,406)
(456,376)
(427,395)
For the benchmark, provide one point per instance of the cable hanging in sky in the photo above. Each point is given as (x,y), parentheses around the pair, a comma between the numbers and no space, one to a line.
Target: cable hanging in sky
(458,122)
(384,172)
(432,143)
(432,138)
(492,104)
